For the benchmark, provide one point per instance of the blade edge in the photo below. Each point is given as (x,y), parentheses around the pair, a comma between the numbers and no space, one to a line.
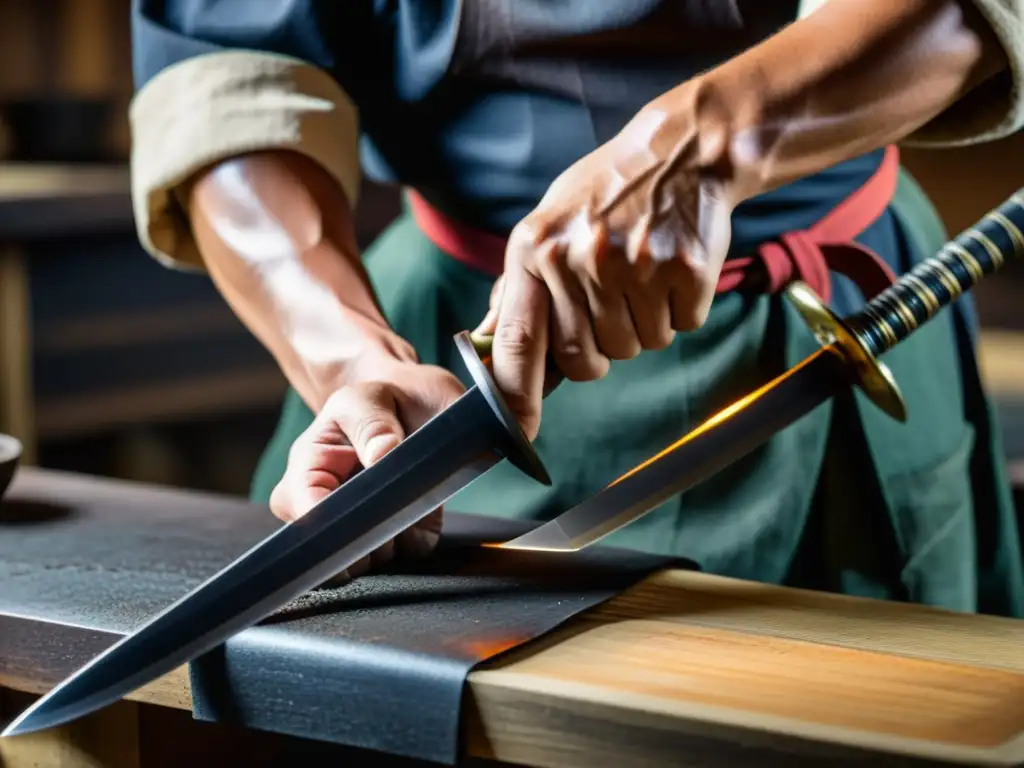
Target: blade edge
(781,402)
(308,579)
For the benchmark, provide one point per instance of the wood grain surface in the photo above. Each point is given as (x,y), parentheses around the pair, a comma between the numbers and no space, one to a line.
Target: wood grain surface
(692,669)
(686,658)
(694,664)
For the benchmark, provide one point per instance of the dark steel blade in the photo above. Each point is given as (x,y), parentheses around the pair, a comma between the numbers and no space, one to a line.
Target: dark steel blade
(286,565)
(371,508)
(715,444)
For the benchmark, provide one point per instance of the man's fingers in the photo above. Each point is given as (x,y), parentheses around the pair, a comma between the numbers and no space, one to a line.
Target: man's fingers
(652,316)
(613,323)
(357,426)
(319,461)
(368,416)
(688,311)
(573,345)
(521,345)
(422,538)
(381,556)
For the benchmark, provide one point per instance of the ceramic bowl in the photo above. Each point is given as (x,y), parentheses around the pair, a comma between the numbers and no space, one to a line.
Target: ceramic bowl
(10,452)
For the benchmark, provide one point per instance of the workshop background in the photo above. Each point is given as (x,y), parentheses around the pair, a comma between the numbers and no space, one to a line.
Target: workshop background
(112,365)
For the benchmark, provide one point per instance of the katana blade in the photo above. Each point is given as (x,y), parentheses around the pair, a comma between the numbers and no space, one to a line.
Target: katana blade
(849,355)
(718,442)
(297,558)
(426,469)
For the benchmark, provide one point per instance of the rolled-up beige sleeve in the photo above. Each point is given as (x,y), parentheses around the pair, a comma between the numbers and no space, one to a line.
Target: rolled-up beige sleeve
(996,109)
(219,105)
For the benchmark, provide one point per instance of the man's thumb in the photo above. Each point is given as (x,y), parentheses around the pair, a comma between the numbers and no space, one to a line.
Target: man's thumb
(377,447)
(368,418)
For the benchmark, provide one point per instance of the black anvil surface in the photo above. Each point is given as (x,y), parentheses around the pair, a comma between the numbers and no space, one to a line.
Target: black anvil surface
(379,663)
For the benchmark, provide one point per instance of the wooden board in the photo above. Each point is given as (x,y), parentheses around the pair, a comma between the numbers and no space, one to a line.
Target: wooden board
(686,660)
(692,669)
(694,664)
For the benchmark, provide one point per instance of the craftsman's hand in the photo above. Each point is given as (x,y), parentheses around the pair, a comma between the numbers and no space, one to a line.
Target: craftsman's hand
(624,250)
(277,237)
(355,428)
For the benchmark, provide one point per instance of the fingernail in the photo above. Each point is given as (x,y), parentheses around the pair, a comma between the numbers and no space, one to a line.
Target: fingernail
(378,447)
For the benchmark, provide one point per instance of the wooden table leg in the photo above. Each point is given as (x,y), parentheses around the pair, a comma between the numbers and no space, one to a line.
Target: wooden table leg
(107,739)
(17,408)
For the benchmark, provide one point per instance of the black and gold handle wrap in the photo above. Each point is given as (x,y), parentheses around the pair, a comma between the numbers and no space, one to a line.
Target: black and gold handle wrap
(893,315)
(918,296)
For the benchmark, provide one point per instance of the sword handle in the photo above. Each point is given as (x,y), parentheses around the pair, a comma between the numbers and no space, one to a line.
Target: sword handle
(484,346)
(891,316)
(919,295)
(482,343)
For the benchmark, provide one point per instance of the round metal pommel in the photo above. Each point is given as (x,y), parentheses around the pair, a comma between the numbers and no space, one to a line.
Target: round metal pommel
(872,376)
(521,453)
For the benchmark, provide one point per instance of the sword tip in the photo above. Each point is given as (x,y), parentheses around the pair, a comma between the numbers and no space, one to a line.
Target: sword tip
(549,537)
(24,724)
(11,730)
(59,706)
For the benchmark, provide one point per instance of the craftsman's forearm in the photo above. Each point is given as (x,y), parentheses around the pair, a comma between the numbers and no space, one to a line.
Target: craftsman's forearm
(851,77)
(276,236)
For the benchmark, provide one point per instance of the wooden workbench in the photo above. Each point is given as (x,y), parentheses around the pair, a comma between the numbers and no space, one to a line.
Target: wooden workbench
(684,669)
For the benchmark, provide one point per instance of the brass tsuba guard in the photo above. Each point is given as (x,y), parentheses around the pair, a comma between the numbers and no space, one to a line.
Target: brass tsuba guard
(872,376)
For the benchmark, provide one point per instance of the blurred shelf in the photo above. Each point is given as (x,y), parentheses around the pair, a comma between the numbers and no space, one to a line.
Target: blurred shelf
(211,396)
(46,201)
(1001,358)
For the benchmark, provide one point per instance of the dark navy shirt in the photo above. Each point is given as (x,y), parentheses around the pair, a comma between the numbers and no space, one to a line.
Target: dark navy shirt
(480,104)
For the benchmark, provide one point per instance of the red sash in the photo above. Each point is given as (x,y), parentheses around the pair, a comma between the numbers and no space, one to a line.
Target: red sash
(810,255)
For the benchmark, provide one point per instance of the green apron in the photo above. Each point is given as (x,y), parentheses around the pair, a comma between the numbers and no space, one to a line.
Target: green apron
(845,500)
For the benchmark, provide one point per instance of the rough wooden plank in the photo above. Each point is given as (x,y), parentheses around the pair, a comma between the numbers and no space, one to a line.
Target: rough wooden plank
(697,664)
(699,668)
(743,687)
(106,739)
(718,666)
(900,629)
(35,655)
